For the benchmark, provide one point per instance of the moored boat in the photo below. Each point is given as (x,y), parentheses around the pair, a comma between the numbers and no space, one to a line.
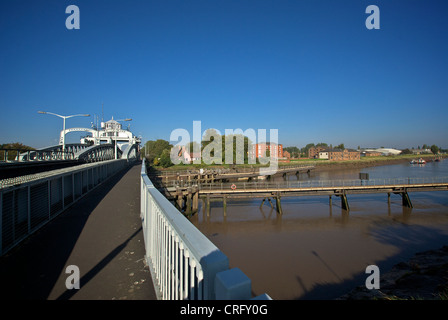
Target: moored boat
(421,161)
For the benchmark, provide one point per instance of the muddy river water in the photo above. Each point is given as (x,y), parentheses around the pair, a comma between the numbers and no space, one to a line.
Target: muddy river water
(317,251)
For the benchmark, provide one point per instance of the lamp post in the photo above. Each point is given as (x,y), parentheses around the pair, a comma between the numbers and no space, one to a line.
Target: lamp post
(64,117)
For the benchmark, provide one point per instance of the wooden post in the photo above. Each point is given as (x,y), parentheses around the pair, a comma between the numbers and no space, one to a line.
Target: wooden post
(270,202)
(208,205)
(262,201)
(388,198)
(195,200)
(279,204)
(224,204)
(331,202)
(344,202)
(188,202)
(406,200)
(179,195)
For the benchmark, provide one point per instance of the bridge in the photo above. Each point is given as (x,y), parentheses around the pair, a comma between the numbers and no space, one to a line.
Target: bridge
(187,195)
(103,216)
(83,213)
(106,217)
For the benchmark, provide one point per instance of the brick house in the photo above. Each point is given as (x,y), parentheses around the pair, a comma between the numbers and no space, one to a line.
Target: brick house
(313,152)
(339,154)
(259,149)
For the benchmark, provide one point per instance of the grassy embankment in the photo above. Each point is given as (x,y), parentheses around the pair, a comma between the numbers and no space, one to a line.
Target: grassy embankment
(319,163)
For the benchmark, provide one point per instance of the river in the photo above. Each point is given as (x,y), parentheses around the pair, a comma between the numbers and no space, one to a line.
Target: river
(314,251)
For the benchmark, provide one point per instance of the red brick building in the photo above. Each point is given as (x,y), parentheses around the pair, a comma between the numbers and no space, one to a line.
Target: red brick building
(313,152)
(259,150)
(339,155)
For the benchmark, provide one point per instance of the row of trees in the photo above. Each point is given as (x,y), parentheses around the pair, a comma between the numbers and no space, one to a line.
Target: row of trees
(296,152)
(15,146)
(158,152)
(14,149)
(434,149)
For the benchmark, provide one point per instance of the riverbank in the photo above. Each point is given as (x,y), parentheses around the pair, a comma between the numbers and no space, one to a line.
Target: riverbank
(423,277)
(369,162)
(319,164)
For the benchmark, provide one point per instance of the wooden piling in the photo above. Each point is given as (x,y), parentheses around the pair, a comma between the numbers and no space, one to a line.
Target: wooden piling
(406,200)
(262,202)
(224,205)
(279,204)
(195,200)
(344,202)
(188,209)
(208,205)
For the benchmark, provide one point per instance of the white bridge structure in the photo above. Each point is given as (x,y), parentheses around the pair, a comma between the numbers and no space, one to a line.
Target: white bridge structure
(110,142)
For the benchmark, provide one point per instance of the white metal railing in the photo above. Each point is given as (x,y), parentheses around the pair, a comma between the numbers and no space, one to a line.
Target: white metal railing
(184,263)
(28,203)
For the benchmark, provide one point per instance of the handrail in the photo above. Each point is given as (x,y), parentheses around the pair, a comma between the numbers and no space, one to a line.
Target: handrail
(29,202)
(184,263)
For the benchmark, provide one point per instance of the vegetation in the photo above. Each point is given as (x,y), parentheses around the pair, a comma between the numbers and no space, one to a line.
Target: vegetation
(158,152)
(15,147)
(214,146)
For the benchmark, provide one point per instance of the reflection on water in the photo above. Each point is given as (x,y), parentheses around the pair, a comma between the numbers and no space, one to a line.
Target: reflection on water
(318,251)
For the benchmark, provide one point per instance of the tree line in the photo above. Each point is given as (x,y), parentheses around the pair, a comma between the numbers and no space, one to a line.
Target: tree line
(213,149)
(296,152)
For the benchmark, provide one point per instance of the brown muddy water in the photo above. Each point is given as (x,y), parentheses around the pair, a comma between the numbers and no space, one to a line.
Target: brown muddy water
(314,251)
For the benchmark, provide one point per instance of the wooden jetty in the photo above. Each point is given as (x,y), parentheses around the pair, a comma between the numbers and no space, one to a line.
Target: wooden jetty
(275,191)
(216,175)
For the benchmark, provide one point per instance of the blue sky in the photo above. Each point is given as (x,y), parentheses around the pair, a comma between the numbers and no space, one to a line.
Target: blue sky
(310,69)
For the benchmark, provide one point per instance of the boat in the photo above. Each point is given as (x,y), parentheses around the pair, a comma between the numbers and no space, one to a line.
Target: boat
(419,161)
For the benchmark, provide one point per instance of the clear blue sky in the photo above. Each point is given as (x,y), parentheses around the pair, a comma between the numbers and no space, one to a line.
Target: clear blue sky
(310,69)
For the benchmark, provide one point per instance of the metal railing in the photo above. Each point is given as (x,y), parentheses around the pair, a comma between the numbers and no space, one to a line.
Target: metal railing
(337,183)
(19,155)
(28,205)
(184,263)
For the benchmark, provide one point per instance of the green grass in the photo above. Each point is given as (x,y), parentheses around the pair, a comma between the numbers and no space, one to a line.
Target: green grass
(317,162)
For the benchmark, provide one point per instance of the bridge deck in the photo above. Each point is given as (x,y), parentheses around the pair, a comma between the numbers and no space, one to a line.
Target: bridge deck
(101,234)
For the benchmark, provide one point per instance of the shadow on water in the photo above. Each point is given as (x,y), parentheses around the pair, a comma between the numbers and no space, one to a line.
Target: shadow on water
(31,270)
(410,239)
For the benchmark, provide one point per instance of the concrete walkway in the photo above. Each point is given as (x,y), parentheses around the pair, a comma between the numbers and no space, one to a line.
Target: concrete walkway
(100,234)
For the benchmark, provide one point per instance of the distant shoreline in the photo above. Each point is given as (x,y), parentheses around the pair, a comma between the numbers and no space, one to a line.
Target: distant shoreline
(366,163)
(320,165)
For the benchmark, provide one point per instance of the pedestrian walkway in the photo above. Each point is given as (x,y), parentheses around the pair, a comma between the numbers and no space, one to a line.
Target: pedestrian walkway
(101,234)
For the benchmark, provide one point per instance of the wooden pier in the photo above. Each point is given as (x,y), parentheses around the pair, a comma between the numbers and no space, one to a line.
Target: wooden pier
(223,175)
(269,190)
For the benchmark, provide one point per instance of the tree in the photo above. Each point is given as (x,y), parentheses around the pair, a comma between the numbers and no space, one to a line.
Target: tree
(240,145)
(434,149)
(15,147)
(341,146)
(154,149)
(165,160)
(293,151)
(406,151)
(305,149)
